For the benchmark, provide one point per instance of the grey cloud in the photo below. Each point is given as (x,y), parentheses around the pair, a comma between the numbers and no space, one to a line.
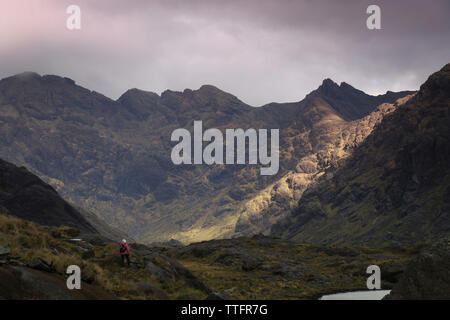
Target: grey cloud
(261,51)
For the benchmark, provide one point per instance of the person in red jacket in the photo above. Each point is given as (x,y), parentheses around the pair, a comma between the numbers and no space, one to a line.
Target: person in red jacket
(124,251)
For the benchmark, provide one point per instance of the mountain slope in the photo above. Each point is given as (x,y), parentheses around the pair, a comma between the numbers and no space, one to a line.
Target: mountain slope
(34,261)
(26,196)
(113,157)
(337,142)
(395,188)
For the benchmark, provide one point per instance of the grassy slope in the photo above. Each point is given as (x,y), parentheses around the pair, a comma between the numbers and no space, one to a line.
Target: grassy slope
(267,268)
(242,268)
(28,241)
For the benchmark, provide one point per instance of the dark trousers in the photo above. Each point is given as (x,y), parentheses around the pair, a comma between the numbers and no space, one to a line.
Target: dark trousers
(126,256)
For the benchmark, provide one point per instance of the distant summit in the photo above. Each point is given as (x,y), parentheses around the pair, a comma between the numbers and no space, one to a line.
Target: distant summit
(352,103)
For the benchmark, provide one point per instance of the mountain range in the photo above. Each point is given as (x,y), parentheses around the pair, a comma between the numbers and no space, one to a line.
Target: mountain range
(112,157)
(363,180)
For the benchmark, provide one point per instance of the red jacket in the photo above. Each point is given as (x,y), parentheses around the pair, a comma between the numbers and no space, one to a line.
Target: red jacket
(127,251)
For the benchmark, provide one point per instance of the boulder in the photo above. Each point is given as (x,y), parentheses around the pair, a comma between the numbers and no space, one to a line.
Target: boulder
(426,277)
(167,267)
(250,263)
(42,265)
(5,251)
(155,270)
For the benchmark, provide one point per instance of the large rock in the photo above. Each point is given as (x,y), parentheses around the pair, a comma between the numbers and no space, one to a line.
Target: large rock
(155,270)
(165,267)
(427,276)
(42,265)
(5,250)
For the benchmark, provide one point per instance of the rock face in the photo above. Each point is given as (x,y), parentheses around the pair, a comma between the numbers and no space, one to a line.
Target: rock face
(113,157)
(427,276)
(394,188)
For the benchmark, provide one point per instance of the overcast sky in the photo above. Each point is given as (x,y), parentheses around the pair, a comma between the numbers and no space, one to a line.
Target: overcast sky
(261,51)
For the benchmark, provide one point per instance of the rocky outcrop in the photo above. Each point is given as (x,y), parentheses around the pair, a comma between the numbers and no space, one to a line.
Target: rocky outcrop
(4,251)
(427,276)
(165,267)
(42,265)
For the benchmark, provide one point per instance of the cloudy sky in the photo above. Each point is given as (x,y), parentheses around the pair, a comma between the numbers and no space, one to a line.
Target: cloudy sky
(259,50)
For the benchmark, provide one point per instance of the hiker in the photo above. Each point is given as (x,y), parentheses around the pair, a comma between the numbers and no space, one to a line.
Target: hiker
(124,251)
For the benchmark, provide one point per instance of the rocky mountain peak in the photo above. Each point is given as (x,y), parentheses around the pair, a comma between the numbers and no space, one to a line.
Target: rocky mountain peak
(135,95)
(210,89)
(332,89)
(327,85)
(32,78)
(346,86)
(24,76)
(349,102)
